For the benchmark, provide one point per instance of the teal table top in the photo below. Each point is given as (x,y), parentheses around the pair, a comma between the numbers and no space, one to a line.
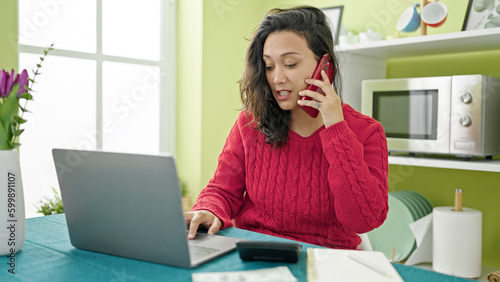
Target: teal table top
(48,255)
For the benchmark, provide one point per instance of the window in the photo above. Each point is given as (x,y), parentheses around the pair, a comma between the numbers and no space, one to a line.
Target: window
(109,84)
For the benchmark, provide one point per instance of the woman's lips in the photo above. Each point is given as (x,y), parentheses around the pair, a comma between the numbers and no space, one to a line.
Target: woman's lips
(283,94)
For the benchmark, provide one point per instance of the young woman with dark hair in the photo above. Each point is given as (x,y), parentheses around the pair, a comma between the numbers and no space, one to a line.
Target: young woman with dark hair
(282,172)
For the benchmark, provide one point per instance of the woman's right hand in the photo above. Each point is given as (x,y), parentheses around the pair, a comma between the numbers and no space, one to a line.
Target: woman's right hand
(206,218)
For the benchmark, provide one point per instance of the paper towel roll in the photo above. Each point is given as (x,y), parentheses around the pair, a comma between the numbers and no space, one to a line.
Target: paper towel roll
(457,241)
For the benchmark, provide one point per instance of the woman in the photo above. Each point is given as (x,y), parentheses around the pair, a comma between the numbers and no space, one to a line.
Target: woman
(281,172)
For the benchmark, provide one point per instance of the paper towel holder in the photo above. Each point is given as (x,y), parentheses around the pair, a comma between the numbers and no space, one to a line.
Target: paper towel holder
(458,200)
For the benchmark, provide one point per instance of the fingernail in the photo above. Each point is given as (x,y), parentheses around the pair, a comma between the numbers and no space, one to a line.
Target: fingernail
(301,94)
(307,80)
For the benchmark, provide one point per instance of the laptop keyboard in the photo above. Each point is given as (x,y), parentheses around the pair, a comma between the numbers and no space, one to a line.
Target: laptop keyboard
(198,252)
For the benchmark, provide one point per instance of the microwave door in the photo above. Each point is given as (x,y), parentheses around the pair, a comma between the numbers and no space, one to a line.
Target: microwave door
(414,112)
(409,114)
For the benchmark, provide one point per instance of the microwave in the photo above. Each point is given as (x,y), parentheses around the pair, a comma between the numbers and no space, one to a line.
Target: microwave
(453,115)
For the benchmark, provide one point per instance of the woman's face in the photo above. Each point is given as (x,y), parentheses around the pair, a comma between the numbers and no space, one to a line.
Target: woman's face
(289,61)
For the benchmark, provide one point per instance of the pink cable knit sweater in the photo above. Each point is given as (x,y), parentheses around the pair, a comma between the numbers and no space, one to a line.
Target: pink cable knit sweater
(321,189)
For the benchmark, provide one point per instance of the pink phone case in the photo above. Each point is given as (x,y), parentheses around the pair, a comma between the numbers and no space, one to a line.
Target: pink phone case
(323,64)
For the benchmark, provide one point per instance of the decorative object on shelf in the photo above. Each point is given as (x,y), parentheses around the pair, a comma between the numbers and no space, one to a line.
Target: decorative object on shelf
(13,88)
(349,38)
(409,21)
(394,36)
(432,14)
(370,36)
(334,15)
(482,14)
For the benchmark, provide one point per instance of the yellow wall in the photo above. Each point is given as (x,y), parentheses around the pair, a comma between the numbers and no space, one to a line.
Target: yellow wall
(225,23)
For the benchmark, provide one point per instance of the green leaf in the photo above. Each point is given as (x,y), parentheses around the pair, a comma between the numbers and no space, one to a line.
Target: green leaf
(10,108)
(27,96)
(51,206)
(4,144)
(13,145)
(18,132)
(23,109)
(19,120)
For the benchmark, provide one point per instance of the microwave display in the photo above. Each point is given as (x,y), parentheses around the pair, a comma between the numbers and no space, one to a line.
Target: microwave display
(408,114)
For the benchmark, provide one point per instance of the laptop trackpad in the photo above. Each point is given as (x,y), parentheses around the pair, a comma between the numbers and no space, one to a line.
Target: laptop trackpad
(213,241)
(205,246)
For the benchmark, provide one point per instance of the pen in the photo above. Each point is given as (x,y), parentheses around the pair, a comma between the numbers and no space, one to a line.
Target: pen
(368,264)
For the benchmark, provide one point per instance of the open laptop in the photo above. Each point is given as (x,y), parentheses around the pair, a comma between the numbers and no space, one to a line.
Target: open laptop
(129,205)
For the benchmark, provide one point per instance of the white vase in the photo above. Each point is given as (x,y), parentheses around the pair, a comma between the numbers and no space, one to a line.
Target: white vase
(12,214)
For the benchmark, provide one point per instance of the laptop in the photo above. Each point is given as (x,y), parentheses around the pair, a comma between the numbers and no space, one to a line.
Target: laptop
(129,205)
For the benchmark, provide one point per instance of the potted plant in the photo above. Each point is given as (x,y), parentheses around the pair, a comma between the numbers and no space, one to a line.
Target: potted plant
(15,92)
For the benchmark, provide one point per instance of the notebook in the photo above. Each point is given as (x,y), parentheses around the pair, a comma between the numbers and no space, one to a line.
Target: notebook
(349,265)
(129,205)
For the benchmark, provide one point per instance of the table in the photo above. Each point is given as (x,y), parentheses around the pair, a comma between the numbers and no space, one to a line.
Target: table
(48,255)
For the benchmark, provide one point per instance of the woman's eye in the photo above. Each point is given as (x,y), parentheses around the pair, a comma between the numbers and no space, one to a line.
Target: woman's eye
(269,67)
(291,65)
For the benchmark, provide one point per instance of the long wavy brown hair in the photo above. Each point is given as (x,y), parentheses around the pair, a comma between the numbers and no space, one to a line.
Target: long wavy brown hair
(307,22)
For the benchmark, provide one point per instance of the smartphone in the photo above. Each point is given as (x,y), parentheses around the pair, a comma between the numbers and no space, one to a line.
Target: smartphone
(323,64)
(269,251)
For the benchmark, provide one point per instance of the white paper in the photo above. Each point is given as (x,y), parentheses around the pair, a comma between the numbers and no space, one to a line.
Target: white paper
(275,274)
(422,230)
(336,265)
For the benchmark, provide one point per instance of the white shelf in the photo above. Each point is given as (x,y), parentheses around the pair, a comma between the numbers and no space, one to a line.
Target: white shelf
(473,164)
(369,61)
(455,42)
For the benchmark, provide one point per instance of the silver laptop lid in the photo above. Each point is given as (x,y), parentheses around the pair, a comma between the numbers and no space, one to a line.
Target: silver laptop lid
(123,204)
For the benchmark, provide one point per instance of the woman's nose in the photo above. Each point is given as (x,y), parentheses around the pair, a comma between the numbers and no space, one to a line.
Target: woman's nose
(279,76)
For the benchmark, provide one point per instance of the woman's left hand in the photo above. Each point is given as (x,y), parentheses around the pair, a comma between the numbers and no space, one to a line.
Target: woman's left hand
(329,105)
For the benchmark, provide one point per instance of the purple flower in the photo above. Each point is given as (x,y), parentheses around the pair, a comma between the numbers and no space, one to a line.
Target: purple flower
(3,82)
(7,81)
(4,76)
(11,81)
(23,81)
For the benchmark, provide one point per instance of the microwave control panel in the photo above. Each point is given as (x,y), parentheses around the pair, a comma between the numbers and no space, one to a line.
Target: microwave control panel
(475,118)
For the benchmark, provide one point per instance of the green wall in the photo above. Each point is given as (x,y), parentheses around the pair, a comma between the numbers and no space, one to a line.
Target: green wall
(211,49)
(8,35)
(212,37)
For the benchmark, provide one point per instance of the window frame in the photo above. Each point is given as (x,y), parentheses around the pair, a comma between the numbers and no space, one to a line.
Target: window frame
(166,64)
(167,92)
